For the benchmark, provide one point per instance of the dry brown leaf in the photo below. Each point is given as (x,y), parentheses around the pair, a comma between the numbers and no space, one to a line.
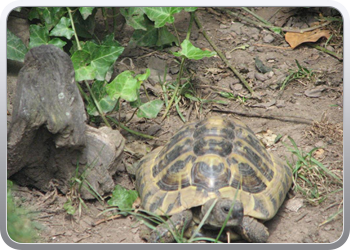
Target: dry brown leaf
(318,154)
(267,137)
(295,39)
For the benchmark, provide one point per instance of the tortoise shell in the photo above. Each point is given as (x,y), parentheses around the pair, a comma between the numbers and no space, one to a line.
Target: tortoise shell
(212,159)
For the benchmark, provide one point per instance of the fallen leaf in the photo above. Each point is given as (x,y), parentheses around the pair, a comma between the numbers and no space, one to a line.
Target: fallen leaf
(318,154)
(267,137)
(295,39)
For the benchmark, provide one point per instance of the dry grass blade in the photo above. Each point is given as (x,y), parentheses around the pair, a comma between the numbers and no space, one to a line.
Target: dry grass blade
(311,177)
(332,217)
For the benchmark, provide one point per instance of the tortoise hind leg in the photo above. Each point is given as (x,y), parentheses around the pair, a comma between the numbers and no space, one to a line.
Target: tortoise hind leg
(179,222)
(252,230)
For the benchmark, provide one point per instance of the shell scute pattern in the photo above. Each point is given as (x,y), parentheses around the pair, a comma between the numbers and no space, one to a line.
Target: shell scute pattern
(209,159)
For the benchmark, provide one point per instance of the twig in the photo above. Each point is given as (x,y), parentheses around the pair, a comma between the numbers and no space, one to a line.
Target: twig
(256,16)
(339,57)
(272,117)
(235,71)
(272,46)
(271,27)
(105,220)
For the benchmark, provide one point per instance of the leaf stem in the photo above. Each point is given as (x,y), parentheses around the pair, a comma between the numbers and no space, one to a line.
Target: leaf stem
(178,80)
(130,130)
(256,16)
(176,88)
(86,83)
(97,104)
(73,27)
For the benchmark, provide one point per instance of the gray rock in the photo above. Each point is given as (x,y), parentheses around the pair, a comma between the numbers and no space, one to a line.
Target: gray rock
(48,140)
(268,38)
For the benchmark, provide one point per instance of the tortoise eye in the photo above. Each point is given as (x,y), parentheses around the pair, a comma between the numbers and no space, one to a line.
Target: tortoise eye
(226,209)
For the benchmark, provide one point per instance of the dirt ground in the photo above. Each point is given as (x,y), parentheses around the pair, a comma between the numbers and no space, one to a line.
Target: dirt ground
(319,99)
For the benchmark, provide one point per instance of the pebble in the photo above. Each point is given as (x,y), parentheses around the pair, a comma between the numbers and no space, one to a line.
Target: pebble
(237,28)
(237,87)
(268,38)
(319,144)
(270,74)
(260,76)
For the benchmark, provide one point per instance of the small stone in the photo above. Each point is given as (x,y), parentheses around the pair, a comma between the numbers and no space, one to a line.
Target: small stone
(223,26)
(294,204)
(260,77)
(270,74)
(237,87)
(268,38)
(319,144)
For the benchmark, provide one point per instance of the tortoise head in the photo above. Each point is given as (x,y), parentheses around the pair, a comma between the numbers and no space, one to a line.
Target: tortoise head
(221,211)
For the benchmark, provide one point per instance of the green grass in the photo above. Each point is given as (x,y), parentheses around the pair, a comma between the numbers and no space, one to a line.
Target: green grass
(20,227)
(152,220)
(311,177)
(78,182)
(298,74)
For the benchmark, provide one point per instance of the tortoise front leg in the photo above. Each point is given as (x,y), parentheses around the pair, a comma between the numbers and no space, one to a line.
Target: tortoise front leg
(179,222)
(252,230)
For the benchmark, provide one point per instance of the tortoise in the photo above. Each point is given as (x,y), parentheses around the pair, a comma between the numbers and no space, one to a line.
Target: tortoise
(219,160)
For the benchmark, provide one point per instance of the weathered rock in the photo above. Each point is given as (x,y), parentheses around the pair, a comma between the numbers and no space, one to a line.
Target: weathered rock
(48,140)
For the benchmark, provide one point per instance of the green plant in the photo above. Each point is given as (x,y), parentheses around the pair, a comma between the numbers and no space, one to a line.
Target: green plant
(72,29)
(78,182)
(300,73)
(310,177)
(123,199)
(20,227)
(179,235)
(240,99)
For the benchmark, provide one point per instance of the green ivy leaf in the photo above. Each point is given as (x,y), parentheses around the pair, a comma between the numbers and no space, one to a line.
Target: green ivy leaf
(102,57)
(62,29)
(191,52)
(49,16)
(143,77)
(190,9)
(150,109)
(134,17)
(122,198)
(161,15)
(39,35)
(124,86)
(16,49)
(58,43)
(165,37)
(86,11)
(147,37)
(85,25)
(85,73)
(106,103)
